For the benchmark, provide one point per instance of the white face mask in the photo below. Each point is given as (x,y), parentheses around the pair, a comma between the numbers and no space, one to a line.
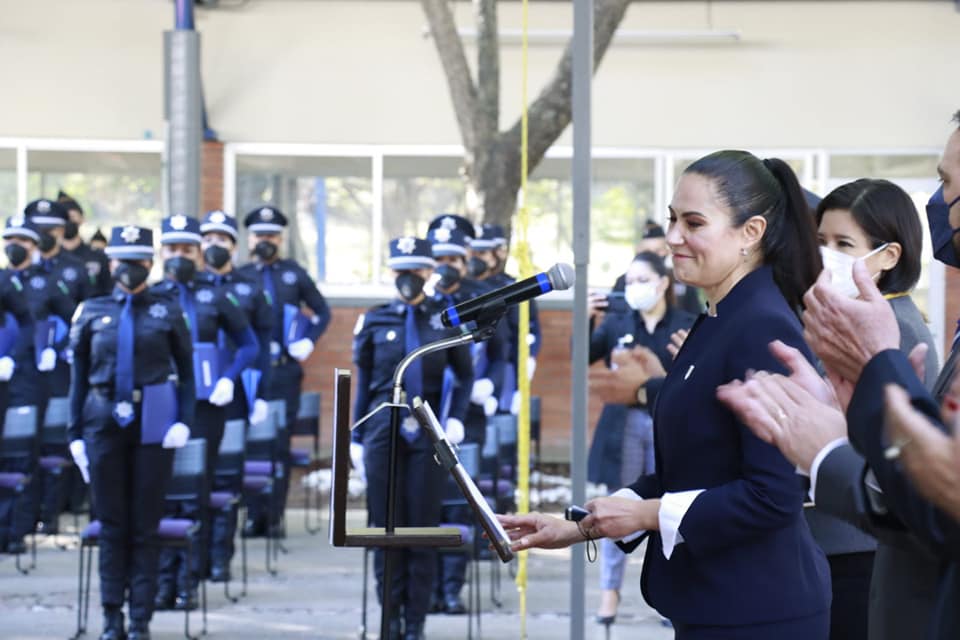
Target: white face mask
(641,296)
(840,266)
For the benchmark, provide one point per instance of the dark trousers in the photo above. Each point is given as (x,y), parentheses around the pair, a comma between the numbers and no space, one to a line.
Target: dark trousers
(176,571)
(419,486)
(127,482)
(816,627)
(850,575)
(285,381)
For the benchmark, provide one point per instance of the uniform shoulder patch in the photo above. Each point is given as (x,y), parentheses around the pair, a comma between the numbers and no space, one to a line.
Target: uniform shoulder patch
(159,311)
(358,327)
(38,282)
(242,289)
(69,274)
(289,277)
(204,296)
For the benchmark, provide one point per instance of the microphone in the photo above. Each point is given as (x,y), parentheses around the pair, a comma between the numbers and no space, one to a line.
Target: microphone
(557,278)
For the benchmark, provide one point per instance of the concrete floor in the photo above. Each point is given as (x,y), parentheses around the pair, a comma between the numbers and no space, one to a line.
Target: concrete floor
(316,594)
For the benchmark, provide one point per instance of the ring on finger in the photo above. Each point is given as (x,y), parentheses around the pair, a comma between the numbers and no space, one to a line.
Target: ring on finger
(894,450)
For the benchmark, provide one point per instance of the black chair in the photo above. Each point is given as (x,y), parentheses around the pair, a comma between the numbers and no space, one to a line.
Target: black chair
(308,424)
(228,481)
(19,449)
(261,469)
(536,439)
(187,483)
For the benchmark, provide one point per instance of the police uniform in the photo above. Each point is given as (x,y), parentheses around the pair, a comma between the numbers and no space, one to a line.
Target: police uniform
(213,316)
(94,260)
(34,356)
(491,236)
(448,237)
(131,397)
(383,336)
(253,302)
(288,286)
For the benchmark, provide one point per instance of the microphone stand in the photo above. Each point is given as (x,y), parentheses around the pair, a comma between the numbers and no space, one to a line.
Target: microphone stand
(487,320)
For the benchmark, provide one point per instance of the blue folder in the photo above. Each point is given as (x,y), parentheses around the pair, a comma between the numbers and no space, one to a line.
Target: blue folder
(9,333)
(158,411)
(250,378)
(295,324)
(206,368)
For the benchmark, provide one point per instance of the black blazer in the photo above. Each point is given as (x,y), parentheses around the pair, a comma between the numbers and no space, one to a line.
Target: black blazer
(748,556)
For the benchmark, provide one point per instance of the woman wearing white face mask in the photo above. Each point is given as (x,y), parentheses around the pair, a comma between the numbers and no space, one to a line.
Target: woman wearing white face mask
(622,448)
(877,222)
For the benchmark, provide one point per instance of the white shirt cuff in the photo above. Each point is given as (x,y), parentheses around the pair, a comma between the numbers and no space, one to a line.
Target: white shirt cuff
(629,494)
(673,506)
(818,459)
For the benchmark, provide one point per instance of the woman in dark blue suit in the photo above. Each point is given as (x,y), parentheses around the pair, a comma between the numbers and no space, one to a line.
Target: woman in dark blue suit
(729,554)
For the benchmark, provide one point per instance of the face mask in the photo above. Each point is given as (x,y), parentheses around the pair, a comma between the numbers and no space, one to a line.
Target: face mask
(16,254)
(641,296)
(449,276)
(941,234)
(410,285)
(182,269)
(265,250)
(71,230)
(47,242)
(840,266)
(476,267)
(216,256)
(130,274)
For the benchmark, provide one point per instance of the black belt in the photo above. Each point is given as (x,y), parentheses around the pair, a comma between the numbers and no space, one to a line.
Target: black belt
(106,391)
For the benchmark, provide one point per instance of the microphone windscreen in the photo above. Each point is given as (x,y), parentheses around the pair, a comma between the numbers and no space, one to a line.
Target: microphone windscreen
(561,276)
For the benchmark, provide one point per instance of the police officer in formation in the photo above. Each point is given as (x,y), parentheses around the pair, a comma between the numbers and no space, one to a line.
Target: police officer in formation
(94,260)
(449,237)
(132,399)
(383,336)
(219,245)
(215,320)
(288,288)
(35,300)
(489,251)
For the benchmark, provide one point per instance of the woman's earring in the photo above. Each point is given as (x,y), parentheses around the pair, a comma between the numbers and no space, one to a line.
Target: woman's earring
(743,252)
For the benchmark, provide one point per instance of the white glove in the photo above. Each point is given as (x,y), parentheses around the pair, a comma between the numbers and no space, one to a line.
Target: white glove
(260,411)
(48,359)
(222,393)
(515,403)
(490,406)
(78,449)
(177,436)
(7,365)
(531,367)
(454,430)
(356,458)
(301,349)
(482,389)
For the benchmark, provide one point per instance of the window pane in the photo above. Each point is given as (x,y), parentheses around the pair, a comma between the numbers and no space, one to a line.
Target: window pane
(328,202)
(112,188)
(8,182)
(851,167)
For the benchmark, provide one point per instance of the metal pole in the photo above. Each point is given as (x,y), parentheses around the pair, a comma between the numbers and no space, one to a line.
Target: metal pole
(183,111)
(582,73)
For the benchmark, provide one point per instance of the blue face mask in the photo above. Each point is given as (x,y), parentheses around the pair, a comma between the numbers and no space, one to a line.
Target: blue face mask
(941,233)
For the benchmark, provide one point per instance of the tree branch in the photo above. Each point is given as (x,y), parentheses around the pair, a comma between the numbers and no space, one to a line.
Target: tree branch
(488,69)
(443,30)
(552,110)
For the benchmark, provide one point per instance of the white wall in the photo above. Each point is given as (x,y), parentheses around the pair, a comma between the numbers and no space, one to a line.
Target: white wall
(806,74)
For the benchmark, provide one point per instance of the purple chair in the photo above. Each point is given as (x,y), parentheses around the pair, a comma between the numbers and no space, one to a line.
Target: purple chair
(308,424)
(261,469)
(18,465)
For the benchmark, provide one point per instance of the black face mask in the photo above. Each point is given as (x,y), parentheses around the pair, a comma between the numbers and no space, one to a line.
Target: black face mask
(476,267)
(181,269)
(47,242)
(216,256)
(71,230)
(16,254)
(410,285)
(265,250)
(449,276)
(130,274)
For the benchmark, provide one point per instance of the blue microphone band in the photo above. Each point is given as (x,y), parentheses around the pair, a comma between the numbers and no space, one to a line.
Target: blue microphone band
(453,316)
(544,283)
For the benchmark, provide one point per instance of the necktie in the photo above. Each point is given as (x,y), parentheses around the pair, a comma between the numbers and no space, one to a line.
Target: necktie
(189,310)
(271,292)
(123,407)
(413,378)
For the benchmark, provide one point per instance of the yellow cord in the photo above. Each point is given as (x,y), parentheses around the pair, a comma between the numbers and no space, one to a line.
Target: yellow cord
(522,254)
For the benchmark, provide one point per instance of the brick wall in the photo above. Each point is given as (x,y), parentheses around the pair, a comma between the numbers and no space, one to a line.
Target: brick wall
(211,176)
